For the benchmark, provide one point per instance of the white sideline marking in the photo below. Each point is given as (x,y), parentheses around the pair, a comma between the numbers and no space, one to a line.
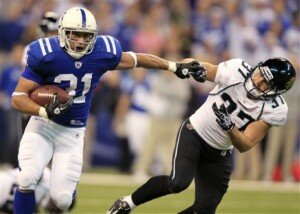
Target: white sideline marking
(128,180)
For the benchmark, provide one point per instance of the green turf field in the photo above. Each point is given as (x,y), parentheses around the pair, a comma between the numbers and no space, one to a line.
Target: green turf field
(97,195)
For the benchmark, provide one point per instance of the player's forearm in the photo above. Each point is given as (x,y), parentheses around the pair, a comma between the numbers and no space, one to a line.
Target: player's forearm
(239,140)
(211,71)
(25,105)
(152,62)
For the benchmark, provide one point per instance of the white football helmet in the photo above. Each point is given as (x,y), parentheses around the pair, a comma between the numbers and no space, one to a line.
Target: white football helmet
(77,23)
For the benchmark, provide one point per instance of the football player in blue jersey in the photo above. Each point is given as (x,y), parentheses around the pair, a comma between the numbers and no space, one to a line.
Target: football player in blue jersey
(74,61)
(245,103)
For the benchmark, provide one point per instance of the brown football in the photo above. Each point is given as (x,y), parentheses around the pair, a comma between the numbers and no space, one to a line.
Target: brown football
(44,94)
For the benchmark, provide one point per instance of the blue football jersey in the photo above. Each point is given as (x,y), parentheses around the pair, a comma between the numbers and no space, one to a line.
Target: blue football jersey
(49,64)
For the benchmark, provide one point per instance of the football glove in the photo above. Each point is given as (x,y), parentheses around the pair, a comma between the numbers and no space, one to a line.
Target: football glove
(55,108)
(224,119)
(200,75)
(183,70)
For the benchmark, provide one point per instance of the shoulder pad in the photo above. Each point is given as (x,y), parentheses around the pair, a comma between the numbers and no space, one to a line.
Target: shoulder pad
(231,72)
(39,50)
(275,111)
(109,45)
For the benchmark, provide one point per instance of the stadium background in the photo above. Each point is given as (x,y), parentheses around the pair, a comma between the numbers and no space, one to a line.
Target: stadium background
(211,31)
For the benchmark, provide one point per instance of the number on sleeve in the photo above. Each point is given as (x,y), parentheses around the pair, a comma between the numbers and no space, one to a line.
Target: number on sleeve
(276,103)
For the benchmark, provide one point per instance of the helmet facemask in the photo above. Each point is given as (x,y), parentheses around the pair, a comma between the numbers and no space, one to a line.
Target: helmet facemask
(265,90)
(77,42)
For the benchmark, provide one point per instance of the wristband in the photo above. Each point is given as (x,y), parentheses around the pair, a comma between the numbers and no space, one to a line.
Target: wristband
(15,93)
(43,113)
(172,66)
(133,55)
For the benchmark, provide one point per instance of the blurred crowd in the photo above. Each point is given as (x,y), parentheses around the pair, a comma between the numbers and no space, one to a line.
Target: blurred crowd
(135,116)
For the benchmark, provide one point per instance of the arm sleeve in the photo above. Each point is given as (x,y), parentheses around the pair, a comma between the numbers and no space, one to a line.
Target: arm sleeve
(32,70)
(228,72)
(275,117)
(31,75)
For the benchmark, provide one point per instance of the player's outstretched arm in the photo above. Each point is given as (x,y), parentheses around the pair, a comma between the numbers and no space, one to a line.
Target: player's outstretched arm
(183,70)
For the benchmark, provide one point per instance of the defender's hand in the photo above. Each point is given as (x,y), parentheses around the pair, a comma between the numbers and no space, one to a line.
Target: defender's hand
(224,119)
(184,69)
(200,75)
(55,108)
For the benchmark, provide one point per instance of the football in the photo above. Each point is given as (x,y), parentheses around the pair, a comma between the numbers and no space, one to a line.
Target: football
(44,94)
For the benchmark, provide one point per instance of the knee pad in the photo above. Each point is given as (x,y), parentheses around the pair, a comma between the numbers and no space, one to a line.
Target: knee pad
(63,201)
(176,187)
(27,179)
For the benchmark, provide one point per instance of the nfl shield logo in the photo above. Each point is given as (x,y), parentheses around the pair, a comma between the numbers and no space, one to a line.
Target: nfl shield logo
(78,64)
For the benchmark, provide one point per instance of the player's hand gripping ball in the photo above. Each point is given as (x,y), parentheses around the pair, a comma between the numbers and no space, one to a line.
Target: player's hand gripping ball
(55,100)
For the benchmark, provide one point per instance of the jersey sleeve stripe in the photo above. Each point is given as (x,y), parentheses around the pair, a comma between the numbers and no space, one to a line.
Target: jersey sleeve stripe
(106,43)
(113,44)
(229,86)
(42,47)
(48,45)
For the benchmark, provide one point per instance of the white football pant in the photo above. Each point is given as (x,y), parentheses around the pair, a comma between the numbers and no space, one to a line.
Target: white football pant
(42,141)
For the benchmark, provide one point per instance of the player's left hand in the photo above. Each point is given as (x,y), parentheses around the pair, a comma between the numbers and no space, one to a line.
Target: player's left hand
(55,108)
(183,70)
(200,75)
(224,119)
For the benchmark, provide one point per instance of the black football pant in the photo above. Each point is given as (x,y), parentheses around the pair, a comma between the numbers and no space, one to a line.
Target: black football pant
(192,158)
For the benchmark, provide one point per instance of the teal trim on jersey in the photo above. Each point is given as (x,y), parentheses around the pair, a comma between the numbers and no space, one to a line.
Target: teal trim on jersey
(225,88)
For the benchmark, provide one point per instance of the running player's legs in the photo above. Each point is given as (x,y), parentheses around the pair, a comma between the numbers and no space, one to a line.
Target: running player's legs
(185,158)
(35,152)
(212,180)
(66,166)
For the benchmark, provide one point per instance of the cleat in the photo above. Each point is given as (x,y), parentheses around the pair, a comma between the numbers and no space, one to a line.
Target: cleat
(119,207)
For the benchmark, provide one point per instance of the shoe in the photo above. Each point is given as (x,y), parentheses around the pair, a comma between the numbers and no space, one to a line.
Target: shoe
(119,207)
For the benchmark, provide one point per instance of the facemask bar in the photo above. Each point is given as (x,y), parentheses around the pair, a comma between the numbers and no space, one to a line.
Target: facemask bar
(254,90)
(78,51)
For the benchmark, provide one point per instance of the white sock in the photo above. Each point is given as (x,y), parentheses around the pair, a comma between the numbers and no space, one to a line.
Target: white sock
(129,201)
